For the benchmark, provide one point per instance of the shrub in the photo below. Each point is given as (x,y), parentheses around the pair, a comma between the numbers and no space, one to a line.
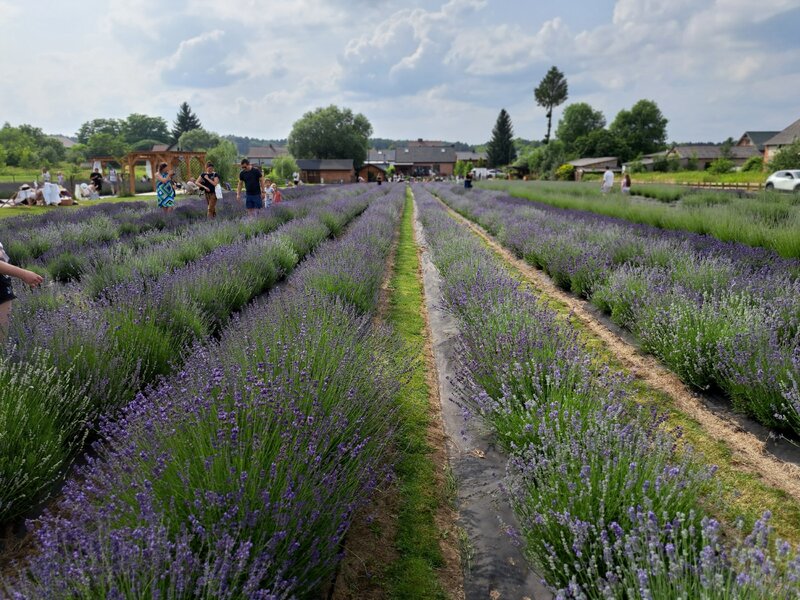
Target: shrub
(720,166)
(754,163)
(565,172)
(787,158)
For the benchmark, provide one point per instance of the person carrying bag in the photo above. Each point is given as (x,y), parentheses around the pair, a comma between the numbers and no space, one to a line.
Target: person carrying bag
(209,183)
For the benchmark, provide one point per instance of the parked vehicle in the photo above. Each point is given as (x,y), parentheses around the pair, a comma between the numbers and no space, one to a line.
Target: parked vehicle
(787,181)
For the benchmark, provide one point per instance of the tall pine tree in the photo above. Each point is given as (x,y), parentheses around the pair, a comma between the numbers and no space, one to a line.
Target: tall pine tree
(551,92)
(501,149)
(185,121)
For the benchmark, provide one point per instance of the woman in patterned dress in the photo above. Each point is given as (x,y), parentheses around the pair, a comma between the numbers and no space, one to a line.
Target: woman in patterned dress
(165,190)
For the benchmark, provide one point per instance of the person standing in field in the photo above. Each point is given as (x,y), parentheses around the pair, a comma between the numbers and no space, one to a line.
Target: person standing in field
(7,271)
(254,191)
(608,180)
(112,180)
(165,188)
(97,181)
(276,193)
(625,186)
(208,182)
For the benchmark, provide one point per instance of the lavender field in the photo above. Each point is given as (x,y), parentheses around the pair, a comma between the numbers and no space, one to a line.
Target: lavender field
(195,408)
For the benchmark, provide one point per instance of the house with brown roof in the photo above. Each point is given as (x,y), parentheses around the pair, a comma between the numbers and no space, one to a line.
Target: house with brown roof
(476,159)
(378,157)
(595,165)
(326,170)
(756,138)
(778,141)
(705,154)
(262,156)
(421,160)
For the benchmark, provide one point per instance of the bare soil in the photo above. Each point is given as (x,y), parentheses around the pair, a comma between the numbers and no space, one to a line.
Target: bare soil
(751,445)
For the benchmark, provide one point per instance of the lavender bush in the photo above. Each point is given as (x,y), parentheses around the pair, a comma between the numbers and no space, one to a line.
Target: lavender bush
(137,331)
(586,464)
(722,315)
(238,477)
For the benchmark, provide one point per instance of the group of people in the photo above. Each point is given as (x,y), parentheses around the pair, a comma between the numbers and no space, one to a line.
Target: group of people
(608,182)
(259,192)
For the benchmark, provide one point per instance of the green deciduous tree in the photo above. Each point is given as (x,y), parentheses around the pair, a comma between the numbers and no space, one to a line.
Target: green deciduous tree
(283,167)
(224,156)
(462,168)
(106,144)
(578,120)
(89,128)
(601,142)
(138,127)
(643,128)
(185,121)
(500,149)
(28,146)
(198,140)
(551,92)
(331,132)
(543,161)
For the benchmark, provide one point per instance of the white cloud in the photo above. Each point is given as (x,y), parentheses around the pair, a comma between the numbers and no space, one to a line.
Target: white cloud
(439,68)
(204,61)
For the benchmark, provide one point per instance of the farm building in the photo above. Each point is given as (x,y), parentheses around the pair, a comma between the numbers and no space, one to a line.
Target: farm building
(756,138)
(378,157)
(326,170)
(425,160)
(778,141)
(704,154)
(594,165)
(371,171)
(262,156)
(421,158)
(476,159)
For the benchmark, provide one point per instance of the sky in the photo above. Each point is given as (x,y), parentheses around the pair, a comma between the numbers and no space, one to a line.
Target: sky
(433,69)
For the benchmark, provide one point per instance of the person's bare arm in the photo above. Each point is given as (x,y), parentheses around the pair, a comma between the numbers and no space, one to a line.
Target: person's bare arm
(239,190)
(29,277)
(261,187)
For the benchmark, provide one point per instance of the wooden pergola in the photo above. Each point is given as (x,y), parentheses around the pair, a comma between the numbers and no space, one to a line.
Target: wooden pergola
(156,157)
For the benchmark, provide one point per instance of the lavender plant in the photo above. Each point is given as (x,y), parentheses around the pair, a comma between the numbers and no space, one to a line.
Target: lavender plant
(238,477)
(586,466)
(722,315)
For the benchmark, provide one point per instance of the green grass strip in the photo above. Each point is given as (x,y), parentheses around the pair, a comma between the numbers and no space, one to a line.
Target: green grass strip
(771,220)
(413,574)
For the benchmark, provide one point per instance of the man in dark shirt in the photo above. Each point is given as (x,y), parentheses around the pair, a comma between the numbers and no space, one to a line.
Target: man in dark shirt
(97,180)
(254,192)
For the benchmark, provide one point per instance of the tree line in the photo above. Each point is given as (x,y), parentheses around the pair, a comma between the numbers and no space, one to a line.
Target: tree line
(581,131)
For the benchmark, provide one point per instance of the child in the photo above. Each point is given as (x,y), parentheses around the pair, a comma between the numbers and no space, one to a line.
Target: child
(276,193)
(7,271)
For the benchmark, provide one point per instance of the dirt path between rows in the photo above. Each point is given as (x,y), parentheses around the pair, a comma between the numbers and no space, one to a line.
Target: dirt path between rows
(748,449)
(495,566)
(360,574)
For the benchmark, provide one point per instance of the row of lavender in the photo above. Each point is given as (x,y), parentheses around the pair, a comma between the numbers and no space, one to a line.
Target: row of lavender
(609,502)
(721,315)
(238,477)
(66,365)
(36,240)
